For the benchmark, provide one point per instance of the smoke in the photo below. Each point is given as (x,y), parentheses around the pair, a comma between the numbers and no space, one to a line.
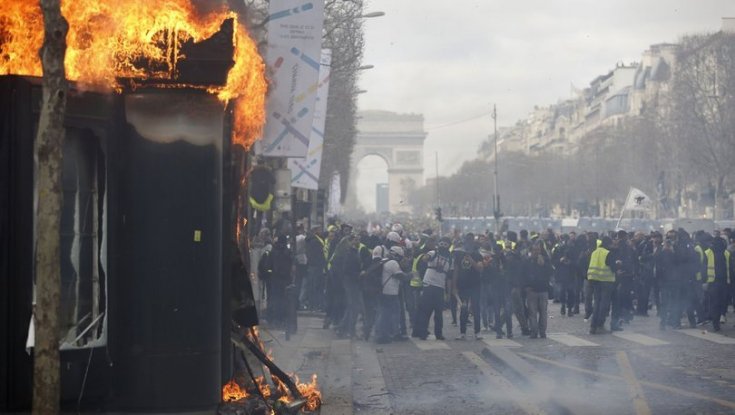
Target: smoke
(204,7)
(167,117)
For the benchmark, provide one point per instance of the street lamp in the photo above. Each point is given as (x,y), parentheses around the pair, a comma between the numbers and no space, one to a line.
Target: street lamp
(360,91)
(496,196)
(371,15)
(365,67)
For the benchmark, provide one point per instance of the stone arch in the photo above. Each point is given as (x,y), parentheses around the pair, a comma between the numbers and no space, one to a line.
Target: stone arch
(399,140)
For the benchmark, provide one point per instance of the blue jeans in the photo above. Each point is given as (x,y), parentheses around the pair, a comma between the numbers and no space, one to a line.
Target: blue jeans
(389,309)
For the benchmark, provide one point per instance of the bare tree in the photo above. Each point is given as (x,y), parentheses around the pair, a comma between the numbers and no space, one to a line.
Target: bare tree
(702,116)
(48,145)
(343,34)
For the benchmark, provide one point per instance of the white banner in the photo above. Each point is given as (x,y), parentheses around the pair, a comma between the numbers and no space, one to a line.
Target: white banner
(637,200)
(292,57)
(305,171)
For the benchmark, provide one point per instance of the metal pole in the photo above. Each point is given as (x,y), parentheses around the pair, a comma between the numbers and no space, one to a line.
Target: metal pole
(436,187)
(496,196)
(436,177)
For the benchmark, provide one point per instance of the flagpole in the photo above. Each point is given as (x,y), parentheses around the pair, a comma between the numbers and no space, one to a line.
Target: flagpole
(622,211)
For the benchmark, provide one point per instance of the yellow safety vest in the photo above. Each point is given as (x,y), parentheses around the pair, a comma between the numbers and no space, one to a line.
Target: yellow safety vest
(598,270)
(711,265)
(263,207)
(325,247)
(701,259)
(416,280)
(505,244)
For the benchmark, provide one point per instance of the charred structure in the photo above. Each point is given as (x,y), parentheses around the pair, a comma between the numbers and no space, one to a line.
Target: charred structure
(147,218)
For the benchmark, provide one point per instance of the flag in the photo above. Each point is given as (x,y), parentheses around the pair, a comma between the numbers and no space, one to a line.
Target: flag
(637,200)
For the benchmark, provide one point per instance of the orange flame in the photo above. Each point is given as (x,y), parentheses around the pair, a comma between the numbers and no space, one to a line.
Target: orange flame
(139,39)
(232,392)
(310,392)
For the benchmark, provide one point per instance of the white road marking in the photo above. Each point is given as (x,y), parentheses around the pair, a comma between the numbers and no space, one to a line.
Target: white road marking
(569,340)
(639,338)
(430,344)
(501,342)
(709,336)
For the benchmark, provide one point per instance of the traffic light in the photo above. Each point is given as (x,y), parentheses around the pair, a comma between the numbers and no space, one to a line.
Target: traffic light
(438,214)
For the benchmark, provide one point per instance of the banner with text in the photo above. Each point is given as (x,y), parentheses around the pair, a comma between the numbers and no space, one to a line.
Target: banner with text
(305,171)
(294,44)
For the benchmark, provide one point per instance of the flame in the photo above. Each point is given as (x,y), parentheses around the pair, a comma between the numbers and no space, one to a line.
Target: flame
(139,39)
(232,392)
(310,392)
(277,390)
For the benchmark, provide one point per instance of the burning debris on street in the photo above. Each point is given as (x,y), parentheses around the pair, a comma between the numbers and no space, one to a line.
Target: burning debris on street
(273,393)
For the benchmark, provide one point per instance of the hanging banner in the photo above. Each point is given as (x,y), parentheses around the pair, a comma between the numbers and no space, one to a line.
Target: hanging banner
(305,171)
(292,57)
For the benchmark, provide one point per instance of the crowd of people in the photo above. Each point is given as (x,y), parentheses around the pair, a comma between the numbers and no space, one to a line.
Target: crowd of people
(395,282)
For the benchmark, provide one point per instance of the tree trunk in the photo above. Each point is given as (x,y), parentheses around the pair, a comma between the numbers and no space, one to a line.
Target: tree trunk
(46,372)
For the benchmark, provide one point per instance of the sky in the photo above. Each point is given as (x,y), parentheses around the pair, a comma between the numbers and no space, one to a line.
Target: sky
(452,60)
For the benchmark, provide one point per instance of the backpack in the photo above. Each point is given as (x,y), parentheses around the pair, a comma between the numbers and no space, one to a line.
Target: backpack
(371,280)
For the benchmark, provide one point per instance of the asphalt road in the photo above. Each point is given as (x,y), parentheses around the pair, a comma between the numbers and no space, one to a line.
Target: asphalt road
(640,371)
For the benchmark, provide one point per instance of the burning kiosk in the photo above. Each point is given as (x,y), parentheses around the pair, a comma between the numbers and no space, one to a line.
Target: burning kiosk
(149,189)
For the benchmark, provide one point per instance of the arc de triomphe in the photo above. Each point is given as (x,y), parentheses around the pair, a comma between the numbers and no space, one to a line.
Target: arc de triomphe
(399,140)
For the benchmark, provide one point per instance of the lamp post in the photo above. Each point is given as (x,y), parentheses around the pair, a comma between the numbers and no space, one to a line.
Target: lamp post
(496,196)
(371,15)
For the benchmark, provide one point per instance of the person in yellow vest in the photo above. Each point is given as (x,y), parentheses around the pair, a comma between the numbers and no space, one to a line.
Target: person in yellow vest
(415,285)
(602,282)
(718,278)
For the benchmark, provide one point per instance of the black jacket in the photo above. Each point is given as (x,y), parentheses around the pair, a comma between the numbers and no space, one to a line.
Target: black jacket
(314,252)
(538,276)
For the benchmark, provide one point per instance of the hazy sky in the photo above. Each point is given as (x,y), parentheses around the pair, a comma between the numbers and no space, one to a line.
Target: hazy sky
(451,60)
